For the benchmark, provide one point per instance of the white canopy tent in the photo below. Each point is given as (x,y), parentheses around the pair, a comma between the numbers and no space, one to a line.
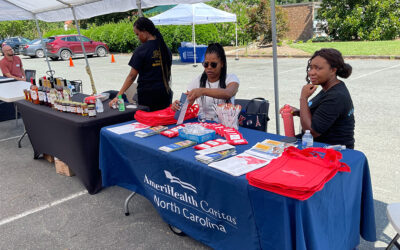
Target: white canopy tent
(192,14)
(62,10)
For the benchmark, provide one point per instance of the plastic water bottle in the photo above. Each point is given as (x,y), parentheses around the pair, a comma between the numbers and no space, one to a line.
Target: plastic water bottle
(121,103)
(307,140)
(99,106)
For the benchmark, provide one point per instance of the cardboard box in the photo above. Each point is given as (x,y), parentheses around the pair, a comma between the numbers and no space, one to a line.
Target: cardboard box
(62,168)
(48,158)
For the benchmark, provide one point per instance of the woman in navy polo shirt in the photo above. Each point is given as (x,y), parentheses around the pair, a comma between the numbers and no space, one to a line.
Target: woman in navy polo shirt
(152,62)
(330,114)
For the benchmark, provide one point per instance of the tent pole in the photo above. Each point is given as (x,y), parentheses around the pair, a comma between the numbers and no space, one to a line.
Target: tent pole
(275,63)
(88,71)
(237,51)
(43,47)
(194,37)
(139,6)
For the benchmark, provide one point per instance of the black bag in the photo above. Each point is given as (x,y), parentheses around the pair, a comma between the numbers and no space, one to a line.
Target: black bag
(254,114)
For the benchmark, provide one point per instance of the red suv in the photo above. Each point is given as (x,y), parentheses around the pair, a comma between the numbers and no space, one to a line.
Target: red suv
(65,46)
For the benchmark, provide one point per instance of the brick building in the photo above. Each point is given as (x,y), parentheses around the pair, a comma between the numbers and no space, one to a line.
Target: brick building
(302,20)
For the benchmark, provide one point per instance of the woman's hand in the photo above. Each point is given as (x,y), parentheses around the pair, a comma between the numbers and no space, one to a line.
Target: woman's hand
(295,111)
(113,102)
(176,105)
(307,91)
(194,94)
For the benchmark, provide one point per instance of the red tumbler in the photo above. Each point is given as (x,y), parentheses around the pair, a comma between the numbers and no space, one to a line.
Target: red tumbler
(287,116)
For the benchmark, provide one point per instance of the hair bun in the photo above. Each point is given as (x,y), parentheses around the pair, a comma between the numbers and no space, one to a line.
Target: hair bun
(345,71)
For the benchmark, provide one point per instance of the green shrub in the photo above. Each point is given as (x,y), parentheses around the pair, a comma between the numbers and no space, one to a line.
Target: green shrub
(289,42)
(321,39)
(300,42)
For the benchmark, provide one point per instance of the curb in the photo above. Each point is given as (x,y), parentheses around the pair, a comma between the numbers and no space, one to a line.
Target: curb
(308,56)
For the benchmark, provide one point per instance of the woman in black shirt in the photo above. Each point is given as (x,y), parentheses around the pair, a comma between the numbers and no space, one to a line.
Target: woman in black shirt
(330,114)
(152,62)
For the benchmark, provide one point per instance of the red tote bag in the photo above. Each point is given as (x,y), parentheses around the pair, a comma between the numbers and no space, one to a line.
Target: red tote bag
(298,173)
(164,116)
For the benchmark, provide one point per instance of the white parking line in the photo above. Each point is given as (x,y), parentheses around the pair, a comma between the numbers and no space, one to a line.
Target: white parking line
(15,137)
(373,72)
(38,209)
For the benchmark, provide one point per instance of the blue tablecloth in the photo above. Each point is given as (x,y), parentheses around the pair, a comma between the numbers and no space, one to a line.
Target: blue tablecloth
(225,212)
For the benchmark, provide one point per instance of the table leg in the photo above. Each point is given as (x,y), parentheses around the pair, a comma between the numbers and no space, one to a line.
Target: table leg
(16,115)
(127,202)
(20,138)
(394,242)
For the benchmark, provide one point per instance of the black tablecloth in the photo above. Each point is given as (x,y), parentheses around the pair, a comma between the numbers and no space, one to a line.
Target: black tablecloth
(72,138)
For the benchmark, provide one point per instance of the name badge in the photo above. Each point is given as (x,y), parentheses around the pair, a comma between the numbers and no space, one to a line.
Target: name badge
(17,65)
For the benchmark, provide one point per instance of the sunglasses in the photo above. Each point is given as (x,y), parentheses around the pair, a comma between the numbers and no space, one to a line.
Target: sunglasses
(212,64)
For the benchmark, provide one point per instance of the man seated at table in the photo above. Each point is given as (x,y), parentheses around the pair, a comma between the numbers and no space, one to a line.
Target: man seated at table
(11,65)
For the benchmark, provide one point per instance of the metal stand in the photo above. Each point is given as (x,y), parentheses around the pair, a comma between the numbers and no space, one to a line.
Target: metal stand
(394,242)
(127,202)
(176,230)
(21,137)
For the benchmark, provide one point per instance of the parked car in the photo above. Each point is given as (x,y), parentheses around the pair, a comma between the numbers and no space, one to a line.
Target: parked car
(34,48)
(17,43)
(66,46)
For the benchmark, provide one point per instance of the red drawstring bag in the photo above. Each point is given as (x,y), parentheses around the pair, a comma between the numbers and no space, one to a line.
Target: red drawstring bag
(298,173)
(164,116)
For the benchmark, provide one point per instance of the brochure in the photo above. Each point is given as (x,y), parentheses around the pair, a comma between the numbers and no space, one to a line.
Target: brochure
(128,128)
(268,149)
(217,156)
(150,131)
(240,164)
(180,114)
(177,145)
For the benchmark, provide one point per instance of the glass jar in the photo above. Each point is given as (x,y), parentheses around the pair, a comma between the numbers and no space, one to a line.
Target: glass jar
(91,110)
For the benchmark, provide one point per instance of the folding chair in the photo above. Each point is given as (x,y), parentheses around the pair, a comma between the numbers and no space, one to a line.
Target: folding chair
(393,213)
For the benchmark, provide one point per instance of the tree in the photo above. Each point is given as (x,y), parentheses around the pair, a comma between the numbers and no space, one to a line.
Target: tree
(361,19)
(25,28)
(259,26)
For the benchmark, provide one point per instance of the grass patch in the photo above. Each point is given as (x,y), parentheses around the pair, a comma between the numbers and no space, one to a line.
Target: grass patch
(365,48)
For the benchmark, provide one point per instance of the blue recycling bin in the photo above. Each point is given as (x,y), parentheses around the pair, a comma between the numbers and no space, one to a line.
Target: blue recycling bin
(186,53)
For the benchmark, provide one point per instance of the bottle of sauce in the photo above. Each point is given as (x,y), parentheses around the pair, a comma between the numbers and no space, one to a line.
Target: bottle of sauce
(34,92)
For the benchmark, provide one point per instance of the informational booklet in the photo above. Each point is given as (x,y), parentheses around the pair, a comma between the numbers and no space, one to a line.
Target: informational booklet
(216,156)
(150,131)
(128,128)
(177,145)
(180,114)
(240,164)
(215,149)
(268,149)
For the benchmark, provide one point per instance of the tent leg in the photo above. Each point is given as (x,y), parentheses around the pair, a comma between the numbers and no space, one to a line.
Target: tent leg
(237,49)
(88,70)
(194,38)
(44,47)
(275,63)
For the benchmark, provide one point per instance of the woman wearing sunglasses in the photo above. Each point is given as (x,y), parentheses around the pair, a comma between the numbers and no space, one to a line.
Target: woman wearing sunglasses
(214,85)
(330,114)
(152,62)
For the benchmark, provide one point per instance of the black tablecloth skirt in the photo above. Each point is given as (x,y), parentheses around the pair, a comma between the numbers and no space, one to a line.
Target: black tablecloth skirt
(72,138)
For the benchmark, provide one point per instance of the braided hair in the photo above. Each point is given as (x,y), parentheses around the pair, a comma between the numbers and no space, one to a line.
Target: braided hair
(145,24)
(217,49)
(334,59)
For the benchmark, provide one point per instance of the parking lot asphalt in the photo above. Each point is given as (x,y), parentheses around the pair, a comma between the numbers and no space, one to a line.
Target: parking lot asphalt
(40,209)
